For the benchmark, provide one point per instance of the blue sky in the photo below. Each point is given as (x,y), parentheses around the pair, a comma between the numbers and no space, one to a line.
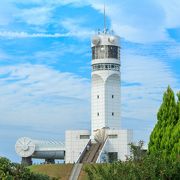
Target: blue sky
(45,60)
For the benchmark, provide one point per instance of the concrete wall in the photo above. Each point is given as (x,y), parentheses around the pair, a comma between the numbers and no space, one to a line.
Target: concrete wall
(75,145)
(118,144)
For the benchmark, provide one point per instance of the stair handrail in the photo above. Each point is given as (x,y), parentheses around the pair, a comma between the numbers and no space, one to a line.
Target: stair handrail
(102,149)
(83,153)
(97,151)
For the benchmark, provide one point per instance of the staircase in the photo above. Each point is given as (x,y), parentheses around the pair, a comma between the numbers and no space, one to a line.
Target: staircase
(91,155)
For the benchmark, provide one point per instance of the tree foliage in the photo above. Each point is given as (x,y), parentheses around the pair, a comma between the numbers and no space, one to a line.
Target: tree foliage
(165,137)
(13,171)
(138,167)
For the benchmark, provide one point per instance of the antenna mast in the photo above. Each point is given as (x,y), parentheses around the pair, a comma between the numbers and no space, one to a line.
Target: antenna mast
(105,30)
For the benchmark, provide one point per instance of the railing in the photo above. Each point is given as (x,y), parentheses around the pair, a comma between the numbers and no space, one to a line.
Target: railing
(77,167)
(102,150)
(83,153)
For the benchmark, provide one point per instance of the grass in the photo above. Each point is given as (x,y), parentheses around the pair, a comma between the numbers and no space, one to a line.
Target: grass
(60,171)
(83,175)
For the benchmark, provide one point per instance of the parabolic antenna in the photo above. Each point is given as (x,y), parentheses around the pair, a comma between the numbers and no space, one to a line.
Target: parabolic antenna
(25,147)
(96,40)
(111,39)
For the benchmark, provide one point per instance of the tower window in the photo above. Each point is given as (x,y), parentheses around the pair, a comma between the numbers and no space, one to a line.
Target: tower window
(97,114)
(105,51)
(112,113)
(105,66)
(97,96)
(112,96)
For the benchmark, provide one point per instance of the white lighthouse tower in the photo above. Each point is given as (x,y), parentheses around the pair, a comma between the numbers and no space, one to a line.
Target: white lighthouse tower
(105,93)
(107,141)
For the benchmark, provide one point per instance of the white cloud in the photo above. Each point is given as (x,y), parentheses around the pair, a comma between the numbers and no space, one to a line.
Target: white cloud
(142,21)
(75,27)
(174,50)
(57,50)
(171,9)
(150,78)
(35,16)
(52,2)
(145,79)
(137,21)
(72,26)
(7,11)
(38,95)
(11,34)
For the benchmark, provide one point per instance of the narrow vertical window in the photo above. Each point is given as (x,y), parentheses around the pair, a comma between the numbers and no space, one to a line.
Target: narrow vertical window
(112,96)
(97,114)
(97,96)
(112,113)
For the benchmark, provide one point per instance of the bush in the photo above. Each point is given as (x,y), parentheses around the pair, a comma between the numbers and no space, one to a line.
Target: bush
(13,171)
(139,166)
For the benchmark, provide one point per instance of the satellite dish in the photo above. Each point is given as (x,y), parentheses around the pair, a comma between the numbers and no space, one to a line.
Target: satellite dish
(25,147)
(96,40)
(111,39)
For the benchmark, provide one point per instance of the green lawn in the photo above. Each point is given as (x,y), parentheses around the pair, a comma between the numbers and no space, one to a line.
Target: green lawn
(61,171)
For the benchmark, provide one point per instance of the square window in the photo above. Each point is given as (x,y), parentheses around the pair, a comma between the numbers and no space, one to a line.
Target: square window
(84,136)
(113,136)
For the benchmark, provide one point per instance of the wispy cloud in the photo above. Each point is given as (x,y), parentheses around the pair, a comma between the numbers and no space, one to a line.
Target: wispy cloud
(142,21)
(75,31)
(10,34)
(43,94)
(35,16)
(76,28)
(139,21)
(7,11)
(152,78)
(171,9)
(145,80)
(174,51)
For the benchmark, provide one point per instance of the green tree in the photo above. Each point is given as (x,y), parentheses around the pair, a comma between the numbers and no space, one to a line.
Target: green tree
(148,166)
(175,137)
(167,118)
(137,152)
(5,169)
(14,171)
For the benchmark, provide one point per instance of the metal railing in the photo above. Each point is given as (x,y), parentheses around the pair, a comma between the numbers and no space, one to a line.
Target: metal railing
(101,150)
(83,153)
